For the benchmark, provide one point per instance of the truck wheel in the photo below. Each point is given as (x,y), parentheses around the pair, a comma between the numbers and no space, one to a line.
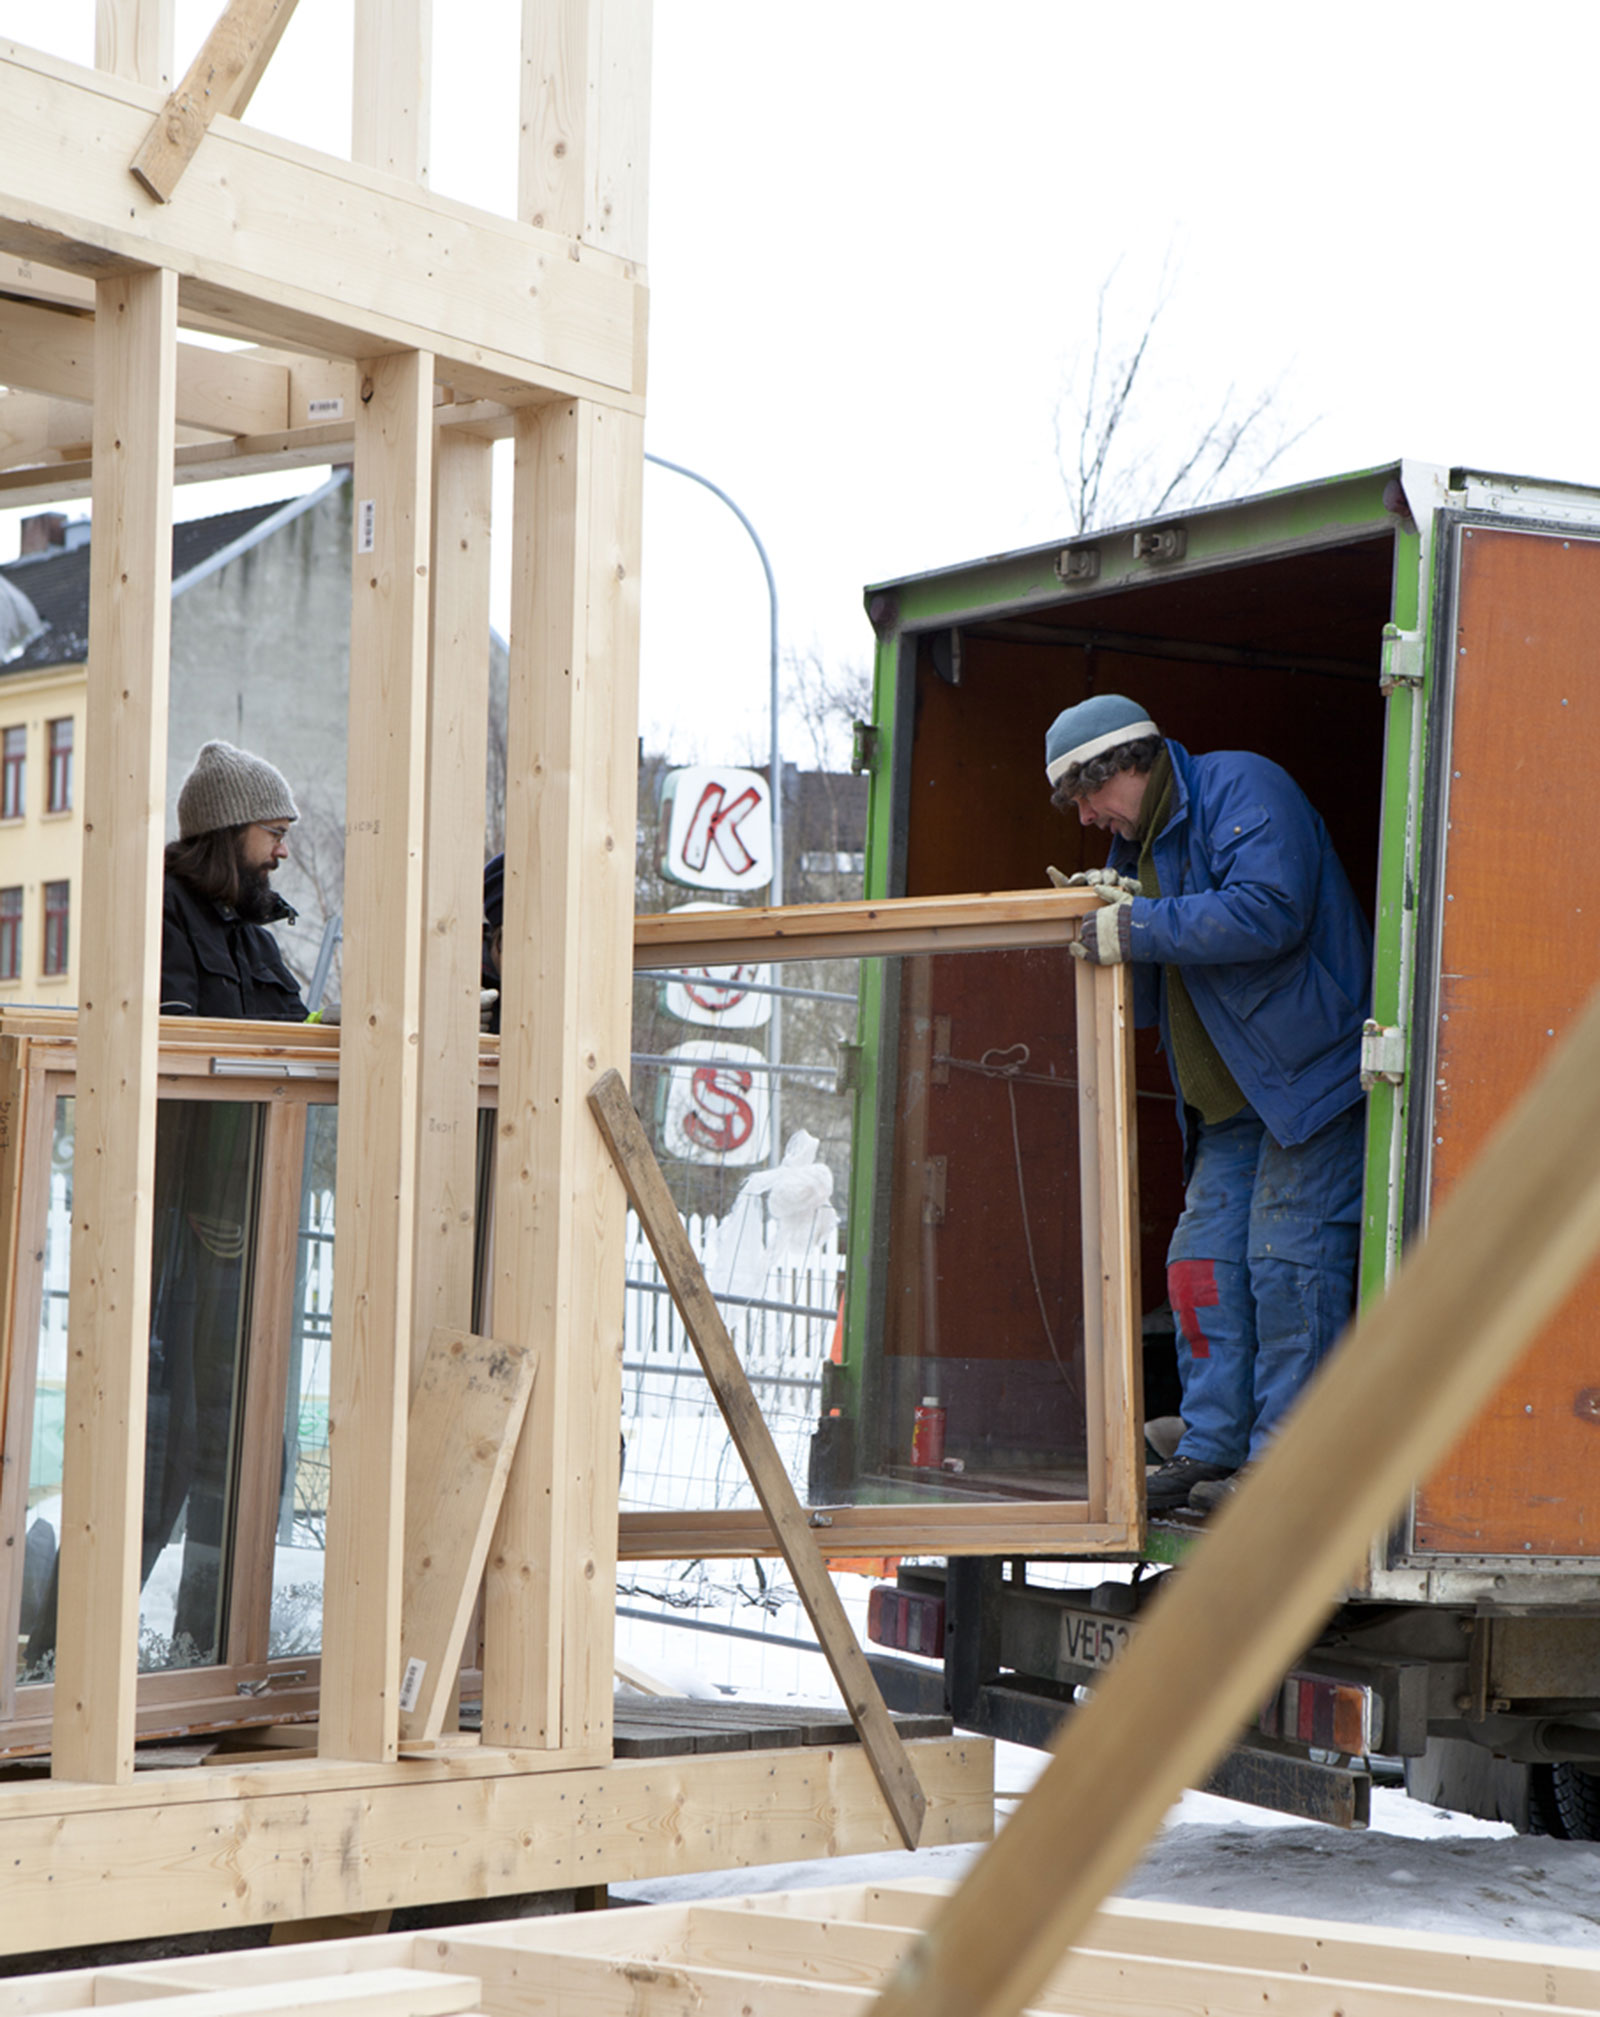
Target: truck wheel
(1563,1802)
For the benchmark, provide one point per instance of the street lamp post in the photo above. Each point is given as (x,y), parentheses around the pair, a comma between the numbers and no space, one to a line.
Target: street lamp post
(774,769)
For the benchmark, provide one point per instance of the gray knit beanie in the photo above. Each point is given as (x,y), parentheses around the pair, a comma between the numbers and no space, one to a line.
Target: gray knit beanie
(230,787)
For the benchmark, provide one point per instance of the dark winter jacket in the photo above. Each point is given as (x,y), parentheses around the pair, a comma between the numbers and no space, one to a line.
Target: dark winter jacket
(214,964)
(1275,952)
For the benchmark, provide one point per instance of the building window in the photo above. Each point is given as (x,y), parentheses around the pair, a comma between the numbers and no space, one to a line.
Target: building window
(11,934)
(57,906)
(13,773)
(60,799)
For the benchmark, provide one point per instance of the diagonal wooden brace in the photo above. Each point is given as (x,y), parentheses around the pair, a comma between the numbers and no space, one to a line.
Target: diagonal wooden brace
(647,1187)
(222,78)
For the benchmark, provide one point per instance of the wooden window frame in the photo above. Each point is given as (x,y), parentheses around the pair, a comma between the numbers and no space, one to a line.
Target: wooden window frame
(1110,1520)
(38,1057)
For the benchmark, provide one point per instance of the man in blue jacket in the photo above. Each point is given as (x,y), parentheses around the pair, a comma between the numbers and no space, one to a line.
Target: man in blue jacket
(1252,955)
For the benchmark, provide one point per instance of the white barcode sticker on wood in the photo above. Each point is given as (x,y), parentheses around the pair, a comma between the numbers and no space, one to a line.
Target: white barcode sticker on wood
(411,1685)
(325,409)
(366,525)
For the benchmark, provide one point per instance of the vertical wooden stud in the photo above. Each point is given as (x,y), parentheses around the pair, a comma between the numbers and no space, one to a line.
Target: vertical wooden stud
(266,1372)
(458,710)
(1094,1338)
(130,604)
(1109,1205)
(571,778)
(378,1058)
(391,109)
(133,38)
(586,121)
(1121,1312)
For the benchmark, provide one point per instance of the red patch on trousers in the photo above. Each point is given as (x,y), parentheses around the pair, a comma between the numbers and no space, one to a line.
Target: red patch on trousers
(1192,1286)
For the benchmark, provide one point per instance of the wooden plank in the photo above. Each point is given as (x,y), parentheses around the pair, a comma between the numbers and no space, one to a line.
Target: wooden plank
(124,793)
(221,79)
(1117,1216)
(1097,1423)
(466,1415)
(51,350)
(557,1278)
(34,430)
(14,1089)
(197,1851)
(133,38)
(282,244)
(585,121)
(366,1992)
(1508,1243)
(391,102)
(458,712)
(647,1187)
(378,1069)
(266,1374)
(950,1527)
(880,928)
(821,1945)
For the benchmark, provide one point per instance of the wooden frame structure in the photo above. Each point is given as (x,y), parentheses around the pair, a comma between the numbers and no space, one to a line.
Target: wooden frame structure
(406,332)
(830,1951)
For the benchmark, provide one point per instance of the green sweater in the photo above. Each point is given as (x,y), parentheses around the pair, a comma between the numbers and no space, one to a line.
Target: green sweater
(1204,1081)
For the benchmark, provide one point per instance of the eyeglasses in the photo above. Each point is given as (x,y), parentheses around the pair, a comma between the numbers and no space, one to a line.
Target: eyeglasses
(279,833)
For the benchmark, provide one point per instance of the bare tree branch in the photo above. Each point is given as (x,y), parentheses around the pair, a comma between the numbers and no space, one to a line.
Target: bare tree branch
(1112,470)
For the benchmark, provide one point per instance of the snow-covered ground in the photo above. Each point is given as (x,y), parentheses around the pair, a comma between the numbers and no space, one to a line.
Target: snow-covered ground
(1415,1866)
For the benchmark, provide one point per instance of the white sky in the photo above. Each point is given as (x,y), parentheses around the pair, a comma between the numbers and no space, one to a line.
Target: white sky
(878,228)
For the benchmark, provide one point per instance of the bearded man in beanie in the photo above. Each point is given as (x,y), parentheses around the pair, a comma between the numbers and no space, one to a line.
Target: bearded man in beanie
(1251,954)
(217,957)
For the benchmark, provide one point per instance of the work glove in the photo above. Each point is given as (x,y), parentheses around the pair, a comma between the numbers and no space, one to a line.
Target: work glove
(1104,939)
(1097,879)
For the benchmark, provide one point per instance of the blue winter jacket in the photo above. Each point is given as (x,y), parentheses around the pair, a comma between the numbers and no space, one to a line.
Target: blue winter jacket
(1275,952)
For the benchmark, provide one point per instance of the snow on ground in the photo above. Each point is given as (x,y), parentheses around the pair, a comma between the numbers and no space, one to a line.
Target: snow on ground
(1416,1866)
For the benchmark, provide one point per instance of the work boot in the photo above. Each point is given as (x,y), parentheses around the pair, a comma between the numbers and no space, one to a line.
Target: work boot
(1168,1486)
(1209,1493)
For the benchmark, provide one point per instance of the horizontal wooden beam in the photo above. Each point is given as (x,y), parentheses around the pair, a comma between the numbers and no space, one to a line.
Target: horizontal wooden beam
(51,350)
(889,926)
(199,1851)
(276,241)
(940,1529)
(250,455)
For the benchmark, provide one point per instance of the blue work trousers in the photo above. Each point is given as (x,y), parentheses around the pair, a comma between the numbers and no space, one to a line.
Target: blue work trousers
(1261,1273)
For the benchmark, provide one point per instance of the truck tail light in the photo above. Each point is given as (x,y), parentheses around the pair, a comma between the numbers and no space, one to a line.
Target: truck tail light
(1326,1715)
(909,1621)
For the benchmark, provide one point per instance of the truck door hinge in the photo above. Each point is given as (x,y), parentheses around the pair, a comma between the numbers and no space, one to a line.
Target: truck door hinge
(1383,1055)
(1402,659)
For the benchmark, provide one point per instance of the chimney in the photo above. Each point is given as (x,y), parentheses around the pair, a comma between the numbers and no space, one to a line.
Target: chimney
(39,534)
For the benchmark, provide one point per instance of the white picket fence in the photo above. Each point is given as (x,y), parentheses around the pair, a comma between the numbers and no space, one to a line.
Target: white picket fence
(678,1453)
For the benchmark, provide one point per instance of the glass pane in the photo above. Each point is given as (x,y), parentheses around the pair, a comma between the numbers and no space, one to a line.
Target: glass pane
(905,1287)
(207,1158)
(299,1556)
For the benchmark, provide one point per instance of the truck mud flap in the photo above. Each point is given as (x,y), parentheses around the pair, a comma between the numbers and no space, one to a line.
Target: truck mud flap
(1340,1795)
(909,1687)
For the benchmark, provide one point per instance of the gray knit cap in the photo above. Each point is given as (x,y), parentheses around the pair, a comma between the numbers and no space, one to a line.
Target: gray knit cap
(230,787)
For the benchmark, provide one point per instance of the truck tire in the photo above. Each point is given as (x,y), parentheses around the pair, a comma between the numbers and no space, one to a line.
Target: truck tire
(1563,1802)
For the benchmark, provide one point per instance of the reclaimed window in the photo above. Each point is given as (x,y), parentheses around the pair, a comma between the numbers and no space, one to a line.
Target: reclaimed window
(57,921)
(59,795)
